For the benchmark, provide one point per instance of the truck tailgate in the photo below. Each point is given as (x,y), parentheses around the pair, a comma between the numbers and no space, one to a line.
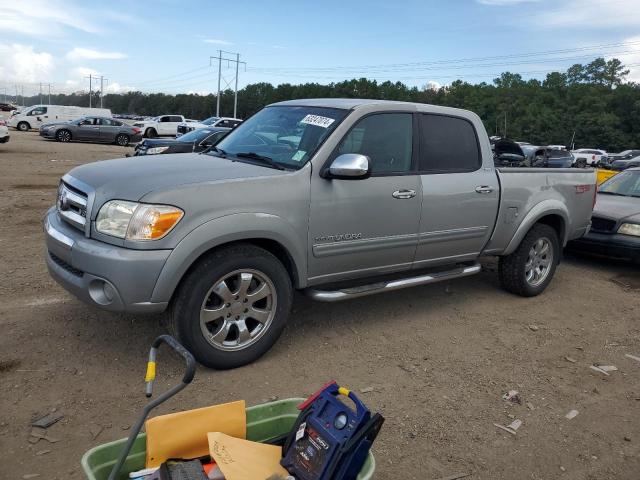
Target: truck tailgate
(528,194)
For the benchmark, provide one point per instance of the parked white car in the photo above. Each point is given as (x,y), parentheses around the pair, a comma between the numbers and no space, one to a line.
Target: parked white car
(225,122)
(4,132)
(38,115)
(162,126)
(592,156)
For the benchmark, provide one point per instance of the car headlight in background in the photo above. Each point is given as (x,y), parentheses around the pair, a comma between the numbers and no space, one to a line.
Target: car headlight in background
(632,229)
(156,150)
(137,221)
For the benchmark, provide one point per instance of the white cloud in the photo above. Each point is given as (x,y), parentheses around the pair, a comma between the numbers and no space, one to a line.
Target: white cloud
(42,16)
(21,63)
(503,3)
(432,85)
(631,58)
(115,87)
(81,72)
(216,41)
(79,53)
(592,14)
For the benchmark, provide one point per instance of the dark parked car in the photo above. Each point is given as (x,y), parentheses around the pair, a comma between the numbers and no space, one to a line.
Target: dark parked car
(7,107)
(615,223)
(507,153)
(195,141)
(552,158)
(624,160)
(92,129)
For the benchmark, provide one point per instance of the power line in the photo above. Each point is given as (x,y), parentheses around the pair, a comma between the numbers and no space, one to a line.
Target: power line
(447,61)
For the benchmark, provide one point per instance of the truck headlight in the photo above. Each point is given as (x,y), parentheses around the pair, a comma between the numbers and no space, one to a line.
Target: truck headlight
(137,221)
(632,229)
(156,150)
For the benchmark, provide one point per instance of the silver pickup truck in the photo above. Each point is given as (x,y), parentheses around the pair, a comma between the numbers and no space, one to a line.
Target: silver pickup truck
(339,198)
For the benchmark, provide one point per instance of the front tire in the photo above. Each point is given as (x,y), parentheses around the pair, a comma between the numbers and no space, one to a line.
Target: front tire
(150,133)
(63,136)
(530,268)
(24,127)
(232,306)
(122,140)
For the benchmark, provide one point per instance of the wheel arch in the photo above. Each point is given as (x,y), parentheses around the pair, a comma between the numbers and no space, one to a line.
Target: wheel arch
(552,213)
(212,236)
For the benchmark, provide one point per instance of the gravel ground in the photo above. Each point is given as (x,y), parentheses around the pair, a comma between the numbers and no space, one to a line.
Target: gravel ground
(435,360)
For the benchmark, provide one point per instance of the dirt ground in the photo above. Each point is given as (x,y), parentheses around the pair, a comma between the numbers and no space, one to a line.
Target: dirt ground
(437,358)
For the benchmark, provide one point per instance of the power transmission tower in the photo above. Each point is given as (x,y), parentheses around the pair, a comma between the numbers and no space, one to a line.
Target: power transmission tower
(40,93)
(49,102)
(224,56)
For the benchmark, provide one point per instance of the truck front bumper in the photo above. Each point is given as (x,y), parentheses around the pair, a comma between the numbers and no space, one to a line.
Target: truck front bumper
(110,277)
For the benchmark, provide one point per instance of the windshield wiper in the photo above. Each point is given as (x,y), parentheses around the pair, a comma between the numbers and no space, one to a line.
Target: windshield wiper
(219,151)
(612,193)
(261,158)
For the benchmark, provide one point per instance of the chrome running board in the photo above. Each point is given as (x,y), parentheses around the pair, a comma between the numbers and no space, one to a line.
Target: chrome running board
(361,291)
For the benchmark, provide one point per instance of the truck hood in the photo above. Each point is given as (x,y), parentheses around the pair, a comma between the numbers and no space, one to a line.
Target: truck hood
(133,177)
(617,207)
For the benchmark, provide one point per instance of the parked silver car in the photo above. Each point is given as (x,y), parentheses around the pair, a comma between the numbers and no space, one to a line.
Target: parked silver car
(92,129)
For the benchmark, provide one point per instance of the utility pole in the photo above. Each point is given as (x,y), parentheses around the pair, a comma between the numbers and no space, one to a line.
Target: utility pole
(221,56)
(49,102)
(219,77)
(235,94)
(17,98)
(505,124)
(40,93)
(102,79)
(90,77)
(22,93)
(4,99)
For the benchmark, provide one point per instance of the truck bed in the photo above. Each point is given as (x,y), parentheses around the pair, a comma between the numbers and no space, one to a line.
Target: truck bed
(527,193)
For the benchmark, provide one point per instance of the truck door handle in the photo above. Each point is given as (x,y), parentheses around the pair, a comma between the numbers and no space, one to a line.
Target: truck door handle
(403,194)
(484,189)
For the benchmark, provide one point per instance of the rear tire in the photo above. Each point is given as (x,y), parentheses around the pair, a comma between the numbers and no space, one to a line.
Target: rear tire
(24,127)
(150,133)
(63,136)
(530,268)
(122,140)
(213,308)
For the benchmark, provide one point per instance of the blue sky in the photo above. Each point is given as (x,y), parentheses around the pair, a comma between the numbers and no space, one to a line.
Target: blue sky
(165,45)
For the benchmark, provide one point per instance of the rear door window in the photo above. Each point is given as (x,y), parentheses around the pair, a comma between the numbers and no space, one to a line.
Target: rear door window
(448,144)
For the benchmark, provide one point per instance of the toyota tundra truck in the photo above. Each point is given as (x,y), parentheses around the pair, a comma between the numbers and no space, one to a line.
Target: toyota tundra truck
(337,198)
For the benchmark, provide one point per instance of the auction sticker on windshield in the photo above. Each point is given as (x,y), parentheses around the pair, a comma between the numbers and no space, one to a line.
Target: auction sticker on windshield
(318,121)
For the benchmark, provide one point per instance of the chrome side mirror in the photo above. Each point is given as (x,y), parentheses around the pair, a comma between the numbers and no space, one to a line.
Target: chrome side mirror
(350,166)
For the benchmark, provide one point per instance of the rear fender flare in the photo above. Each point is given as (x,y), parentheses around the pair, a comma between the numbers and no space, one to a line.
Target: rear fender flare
(542,209)
(224,230)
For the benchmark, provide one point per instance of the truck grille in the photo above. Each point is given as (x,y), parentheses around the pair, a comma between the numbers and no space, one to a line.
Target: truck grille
(599,224)
(72,205)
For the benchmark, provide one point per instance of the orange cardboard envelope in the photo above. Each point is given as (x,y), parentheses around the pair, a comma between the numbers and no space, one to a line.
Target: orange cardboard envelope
(244,460)
(184,434)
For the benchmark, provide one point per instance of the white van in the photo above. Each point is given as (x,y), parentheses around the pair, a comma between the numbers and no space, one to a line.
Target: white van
(38,115)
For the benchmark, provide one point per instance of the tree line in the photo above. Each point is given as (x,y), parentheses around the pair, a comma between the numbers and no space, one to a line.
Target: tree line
(591,104)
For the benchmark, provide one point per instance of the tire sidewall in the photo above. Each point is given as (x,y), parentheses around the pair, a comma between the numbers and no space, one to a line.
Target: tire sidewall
(24,127)
(187,307)
(532,237)
(126,142)
(150,133)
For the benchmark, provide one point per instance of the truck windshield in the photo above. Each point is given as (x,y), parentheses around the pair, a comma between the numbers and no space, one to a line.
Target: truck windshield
(626,184)
(287,135)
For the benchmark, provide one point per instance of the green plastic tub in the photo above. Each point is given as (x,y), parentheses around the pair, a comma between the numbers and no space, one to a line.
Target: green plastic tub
(263,422)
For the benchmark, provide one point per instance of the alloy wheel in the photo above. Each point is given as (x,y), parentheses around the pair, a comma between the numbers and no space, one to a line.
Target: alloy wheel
(539,261)
(238,309)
